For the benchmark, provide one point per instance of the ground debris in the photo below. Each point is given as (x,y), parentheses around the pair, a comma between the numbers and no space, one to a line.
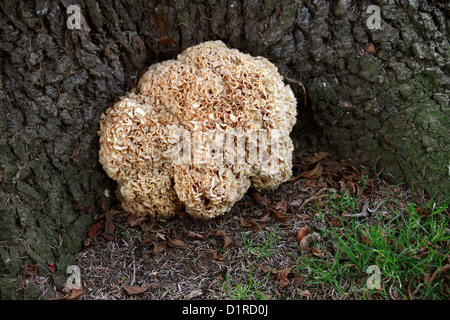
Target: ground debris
(253,250)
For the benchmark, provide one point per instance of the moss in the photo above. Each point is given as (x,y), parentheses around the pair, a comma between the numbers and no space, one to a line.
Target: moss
(32,290)
(8,288)
(282,24)
(371,69)
(10,259)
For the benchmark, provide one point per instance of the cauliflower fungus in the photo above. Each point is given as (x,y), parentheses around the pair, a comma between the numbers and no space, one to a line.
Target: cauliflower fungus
(197,132)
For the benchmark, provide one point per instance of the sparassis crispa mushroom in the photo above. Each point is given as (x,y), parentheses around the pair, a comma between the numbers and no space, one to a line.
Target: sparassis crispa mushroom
(197,132)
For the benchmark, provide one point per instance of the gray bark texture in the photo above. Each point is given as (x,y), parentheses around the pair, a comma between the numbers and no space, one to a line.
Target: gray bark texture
(377,96)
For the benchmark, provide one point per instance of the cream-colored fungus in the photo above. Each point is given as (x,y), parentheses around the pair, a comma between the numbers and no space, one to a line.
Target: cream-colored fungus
(210,98)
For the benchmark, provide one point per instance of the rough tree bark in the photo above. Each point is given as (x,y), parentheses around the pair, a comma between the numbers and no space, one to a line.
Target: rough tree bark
(378,96)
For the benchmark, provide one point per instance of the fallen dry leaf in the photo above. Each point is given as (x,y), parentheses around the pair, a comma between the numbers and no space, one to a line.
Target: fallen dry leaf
(266,296)
(253,223)
(281,216)
(261,223)
(312,174)
(439,271)
(196,235)
(350,186)
(149,224)
(317,157)
(216,256)
(302,233)
(95,228)
(267,269)
(282,276)
(281,205)
(265,218)
(296,202)
(109,223)
(244,223)
(352,166)
(258,226)
(194,294)
(160,234)
(304,216)
(370,47)
(226,239)
(133,290)
(260,199)
(177,243)
(298,278)
(75,293)
(335,222)
(134,220)
(157,248)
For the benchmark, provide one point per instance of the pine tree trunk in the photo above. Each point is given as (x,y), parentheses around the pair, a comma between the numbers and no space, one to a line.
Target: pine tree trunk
(377,96)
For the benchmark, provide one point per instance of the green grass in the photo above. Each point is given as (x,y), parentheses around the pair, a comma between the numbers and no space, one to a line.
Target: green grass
(246,288)
(406,245)
(400,244)
(133,233)
(263,248)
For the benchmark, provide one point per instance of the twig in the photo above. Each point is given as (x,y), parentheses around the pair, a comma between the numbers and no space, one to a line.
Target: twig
(316,196)
(301,85)
(439,271)
(109,47)
(134,270)
(363,213)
